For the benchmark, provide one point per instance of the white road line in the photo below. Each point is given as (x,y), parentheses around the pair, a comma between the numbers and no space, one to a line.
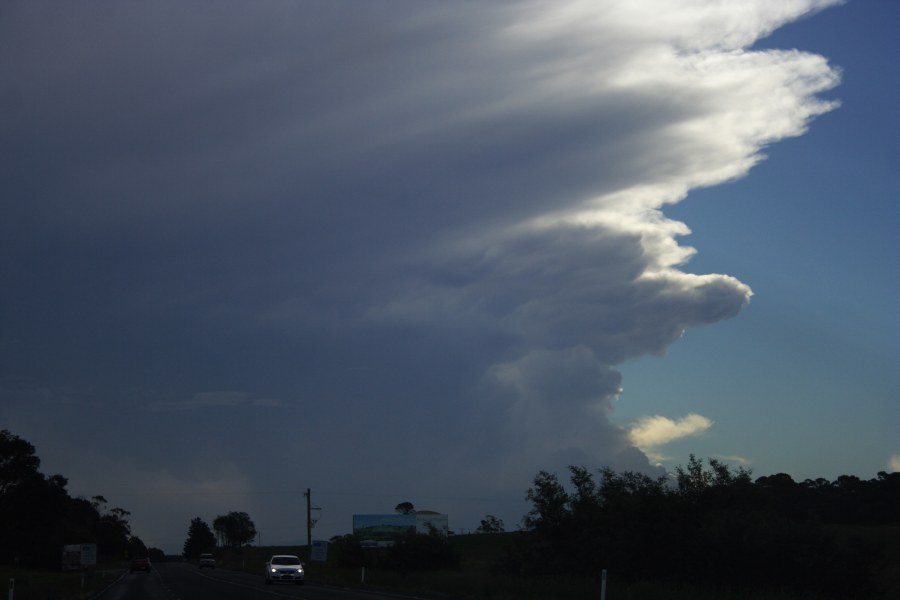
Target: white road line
(249,587)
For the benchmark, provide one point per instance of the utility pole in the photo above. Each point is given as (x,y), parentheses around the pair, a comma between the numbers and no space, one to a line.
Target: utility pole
(308,495)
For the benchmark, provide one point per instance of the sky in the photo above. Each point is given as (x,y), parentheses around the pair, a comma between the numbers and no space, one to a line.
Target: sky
(397,250)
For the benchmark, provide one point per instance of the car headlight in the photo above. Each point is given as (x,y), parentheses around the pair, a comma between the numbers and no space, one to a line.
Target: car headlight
(273,569)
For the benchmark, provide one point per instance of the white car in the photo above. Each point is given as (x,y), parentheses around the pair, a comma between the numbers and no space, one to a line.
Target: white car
(207,560)
(284,567)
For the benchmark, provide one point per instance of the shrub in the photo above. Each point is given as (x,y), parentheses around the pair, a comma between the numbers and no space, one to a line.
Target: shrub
(420,552)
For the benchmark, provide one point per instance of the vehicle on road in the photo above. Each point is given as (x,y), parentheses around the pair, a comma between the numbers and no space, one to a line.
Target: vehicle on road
(284,567)
(207,560)
(139,564)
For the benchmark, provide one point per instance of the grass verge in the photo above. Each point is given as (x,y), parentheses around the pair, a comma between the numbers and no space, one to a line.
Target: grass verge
(30,584)
(477,580)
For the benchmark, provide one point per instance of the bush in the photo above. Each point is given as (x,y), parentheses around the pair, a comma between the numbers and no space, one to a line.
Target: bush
(715,528)
(418,552)
(350,554)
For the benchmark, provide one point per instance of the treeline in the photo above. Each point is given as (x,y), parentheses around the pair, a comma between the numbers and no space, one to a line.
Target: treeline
(711,525)
(232,530)
(38,517)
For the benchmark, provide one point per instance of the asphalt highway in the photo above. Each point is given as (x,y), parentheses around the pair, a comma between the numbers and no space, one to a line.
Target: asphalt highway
(184,581)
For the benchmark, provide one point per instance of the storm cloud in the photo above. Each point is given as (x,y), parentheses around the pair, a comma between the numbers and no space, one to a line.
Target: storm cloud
(405,242)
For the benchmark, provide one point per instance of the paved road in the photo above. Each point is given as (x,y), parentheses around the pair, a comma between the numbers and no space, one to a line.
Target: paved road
(183,581)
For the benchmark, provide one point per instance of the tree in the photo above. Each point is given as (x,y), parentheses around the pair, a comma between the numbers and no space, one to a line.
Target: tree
(234,529)
(18,461)
(33,523)
(37,515)
(550,503)
(695,482)
(113,530)
(405,508)
(491,524)
(716,526)
(136,547)
(200,539)
(418,552)
(155,554)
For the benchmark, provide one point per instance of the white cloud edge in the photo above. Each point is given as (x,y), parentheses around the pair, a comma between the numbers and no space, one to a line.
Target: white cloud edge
(894,463)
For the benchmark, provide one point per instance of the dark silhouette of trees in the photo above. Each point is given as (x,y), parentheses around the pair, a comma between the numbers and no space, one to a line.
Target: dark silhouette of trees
(200,539)
(711,524)
(112,529)
(420,552)
(405,508)
(137,548)
(33,526)
(156,555)
(38,517)
(234,529)
(349,551)
(18,462)
(491,524)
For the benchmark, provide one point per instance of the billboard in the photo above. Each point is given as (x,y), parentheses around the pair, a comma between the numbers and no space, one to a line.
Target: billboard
(385,528)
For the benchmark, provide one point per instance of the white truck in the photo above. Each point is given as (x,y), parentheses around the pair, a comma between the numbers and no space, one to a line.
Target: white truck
(76,557)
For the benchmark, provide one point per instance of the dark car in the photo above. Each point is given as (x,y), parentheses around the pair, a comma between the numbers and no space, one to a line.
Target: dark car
(207,560)
(139,564)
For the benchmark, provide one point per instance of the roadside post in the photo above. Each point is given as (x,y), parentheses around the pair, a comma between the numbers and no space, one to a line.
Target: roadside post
(12,587)
(603,585)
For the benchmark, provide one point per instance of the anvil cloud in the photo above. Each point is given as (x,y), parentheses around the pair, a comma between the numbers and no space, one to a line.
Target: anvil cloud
(407,241)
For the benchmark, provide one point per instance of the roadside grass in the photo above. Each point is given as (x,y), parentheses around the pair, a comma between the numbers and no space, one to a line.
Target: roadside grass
(31,584)
(478,580)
